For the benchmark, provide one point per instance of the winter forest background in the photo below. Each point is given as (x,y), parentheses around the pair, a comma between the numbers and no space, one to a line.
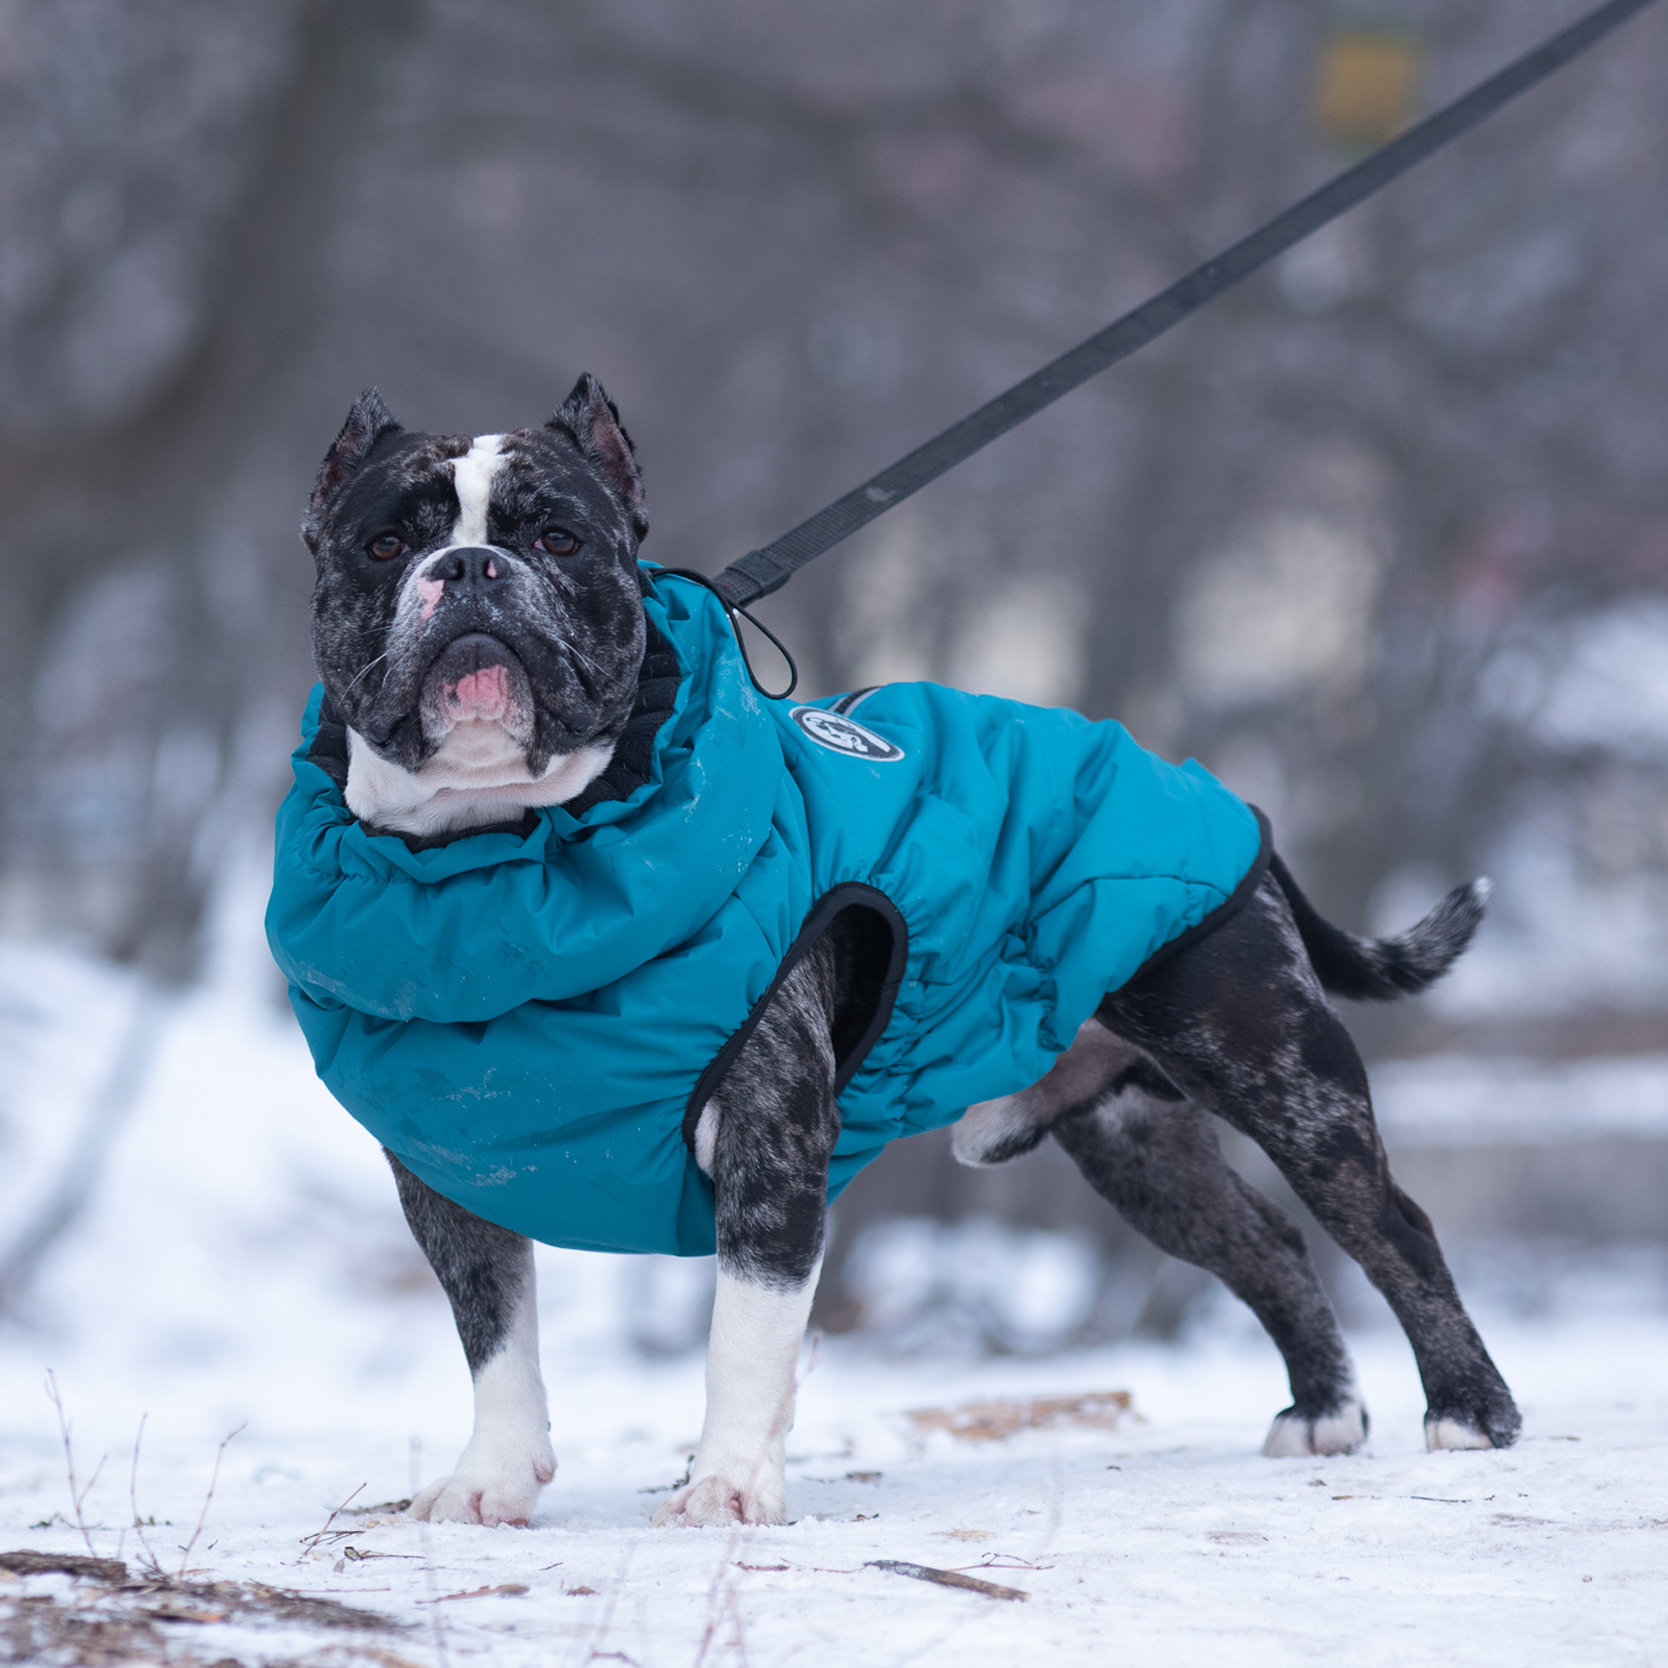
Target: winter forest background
(1382,539)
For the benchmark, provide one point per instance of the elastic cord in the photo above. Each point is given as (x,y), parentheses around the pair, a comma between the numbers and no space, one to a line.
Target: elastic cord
(731,609)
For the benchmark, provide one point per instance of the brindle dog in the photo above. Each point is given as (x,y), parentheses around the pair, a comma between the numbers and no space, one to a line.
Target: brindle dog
(479,631)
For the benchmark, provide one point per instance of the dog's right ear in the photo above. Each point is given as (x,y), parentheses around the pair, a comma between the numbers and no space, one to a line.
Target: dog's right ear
(366,424)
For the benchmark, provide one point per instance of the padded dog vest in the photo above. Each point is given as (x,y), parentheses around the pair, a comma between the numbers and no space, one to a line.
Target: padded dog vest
(531,1021)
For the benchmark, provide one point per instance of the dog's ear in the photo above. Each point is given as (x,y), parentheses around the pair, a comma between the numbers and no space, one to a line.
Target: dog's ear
(593,420)
(366,424)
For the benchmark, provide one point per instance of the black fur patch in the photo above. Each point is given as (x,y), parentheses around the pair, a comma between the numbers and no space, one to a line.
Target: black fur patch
(485,1270)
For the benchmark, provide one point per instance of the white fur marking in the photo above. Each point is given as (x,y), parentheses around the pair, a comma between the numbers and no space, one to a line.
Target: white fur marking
(1450,1433)
(472,476)
(509,1458)
(737,1476)
(478,776)
(987,1128)
(706,1136)
(1292,1437)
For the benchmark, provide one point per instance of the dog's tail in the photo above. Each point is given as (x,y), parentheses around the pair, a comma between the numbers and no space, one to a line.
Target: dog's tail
(1381,969)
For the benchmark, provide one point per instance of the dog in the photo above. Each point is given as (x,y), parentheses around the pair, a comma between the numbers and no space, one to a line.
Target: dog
(493,676)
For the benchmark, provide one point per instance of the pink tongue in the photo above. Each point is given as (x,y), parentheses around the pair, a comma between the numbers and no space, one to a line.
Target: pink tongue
(483,694)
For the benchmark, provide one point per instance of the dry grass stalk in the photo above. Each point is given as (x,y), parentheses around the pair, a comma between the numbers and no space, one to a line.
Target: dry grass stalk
(995,1421)
(208,1499)
(424,1540)
(77,1496)
(313,1540)
(152,1564)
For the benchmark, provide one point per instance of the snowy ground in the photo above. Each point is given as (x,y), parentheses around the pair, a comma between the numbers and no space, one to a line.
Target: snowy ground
(1162,1541)
(242,1263)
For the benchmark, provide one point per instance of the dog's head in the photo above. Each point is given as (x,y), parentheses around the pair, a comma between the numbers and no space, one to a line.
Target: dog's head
(480,587)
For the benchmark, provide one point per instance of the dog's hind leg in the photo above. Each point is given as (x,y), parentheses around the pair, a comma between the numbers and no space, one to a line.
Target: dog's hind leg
(765,1139)
(1155,1159)
(487,1274)
(1239,1023)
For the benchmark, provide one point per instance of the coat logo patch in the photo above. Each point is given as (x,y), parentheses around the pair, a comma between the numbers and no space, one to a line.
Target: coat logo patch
(841,735)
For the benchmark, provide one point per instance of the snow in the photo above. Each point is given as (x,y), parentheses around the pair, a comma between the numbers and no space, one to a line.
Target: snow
(1464,1100)
(243,1264)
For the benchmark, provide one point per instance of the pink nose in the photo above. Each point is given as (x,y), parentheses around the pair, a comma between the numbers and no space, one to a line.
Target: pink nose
(483,694)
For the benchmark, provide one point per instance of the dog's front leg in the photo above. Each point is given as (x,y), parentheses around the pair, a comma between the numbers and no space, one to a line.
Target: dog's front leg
(487,1273)
(765,1139)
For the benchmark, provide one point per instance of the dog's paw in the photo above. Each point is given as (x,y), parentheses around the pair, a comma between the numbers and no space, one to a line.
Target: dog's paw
(1294,1434)
(1490,1430)
(716,1502)
(488,1488)
(1487,1418)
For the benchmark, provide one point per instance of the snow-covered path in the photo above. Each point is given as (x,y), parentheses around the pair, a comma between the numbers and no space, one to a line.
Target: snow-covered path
(244,1260)
(1163,1541)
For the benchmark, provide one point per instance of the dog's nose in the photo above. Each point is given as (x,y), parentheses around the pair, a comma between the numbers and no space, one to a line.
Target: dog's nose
(474,568)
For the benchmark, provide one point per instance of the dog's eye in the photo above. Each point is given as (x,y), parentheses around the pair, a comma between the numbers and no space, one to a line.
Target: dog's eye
(556,541)
(385,547)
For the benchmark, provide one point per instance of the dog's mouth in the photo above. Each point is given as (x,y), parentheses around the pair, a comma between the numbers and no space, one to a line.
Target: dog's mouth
(477,679)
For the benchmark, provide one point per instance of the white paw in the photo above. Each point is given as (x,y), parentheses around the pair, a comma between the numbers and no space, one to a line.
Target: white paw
(1452,1433)
(1293,1436)
(489,1488)
(716,1502)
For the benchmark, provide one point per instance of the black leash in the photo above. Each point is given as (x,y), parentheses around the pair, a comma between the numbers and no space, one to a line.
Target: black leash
(762,571)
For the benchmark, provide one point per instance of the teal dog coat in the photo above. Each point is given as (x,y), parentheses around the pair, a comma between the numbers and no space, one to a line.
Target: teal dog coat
(531,1021)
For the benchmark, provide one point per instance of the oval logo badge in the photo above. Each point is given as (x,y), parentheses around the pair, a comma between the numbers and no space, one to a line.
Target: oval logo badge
(840,735)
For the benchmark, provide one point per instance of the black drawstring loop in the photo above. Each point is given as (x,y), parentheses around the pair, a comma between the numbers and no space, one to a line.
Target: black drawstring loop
(731,609)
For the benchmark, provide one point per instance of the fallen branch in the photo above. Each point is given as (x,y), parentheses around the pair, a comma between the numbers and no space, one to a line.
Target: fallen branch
(946,1578)
(508,1587)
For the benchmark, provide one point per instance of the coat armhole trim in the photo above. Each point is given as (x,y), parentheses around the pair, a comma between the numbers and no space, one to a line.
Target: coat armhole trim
(847,895)
(1224,911)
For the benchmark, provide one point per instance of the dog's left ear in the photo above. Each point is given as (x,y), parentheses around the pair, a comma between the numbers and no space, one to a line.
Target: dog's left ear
(593,420)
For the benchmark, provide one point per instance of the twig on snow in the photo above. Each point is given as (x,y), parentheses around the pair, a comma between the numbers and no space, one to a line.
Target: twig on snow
(313,1540)
(607,1618)
(741,1634)
(947,1578)
(208,1499)
(511,1588)
(428,1558)
(76,1495)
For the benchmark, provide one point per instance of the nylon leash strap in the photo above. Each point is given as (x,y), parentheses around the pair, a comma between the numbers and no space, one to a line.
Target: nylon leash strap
(767,569)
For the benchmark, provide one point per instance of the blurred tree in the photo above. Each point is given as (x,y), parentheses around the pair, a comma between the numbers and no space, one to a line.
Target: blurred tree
(1329,536)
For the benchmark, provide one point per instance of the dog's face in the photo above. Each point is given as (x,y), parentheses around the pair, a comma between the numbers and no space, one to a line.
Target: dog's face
(480,586)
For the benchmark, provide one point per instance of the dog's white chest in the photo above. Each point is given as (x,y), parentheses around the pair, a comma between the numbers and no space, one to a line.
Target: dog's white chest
(479,776)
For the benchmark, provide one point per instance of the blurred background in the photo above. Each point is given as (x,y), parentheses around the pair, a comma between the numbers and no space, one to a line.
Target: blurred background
(1381,539)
